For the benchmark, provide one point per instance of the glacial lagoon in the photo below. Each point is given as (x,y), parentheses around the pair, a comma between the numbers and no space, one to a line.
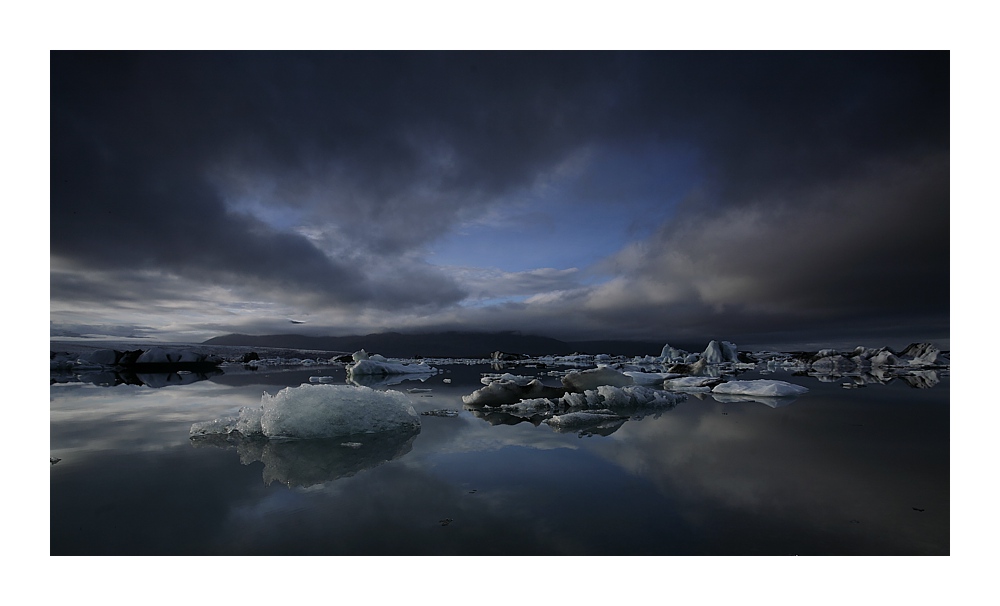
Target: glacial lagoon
(857,465)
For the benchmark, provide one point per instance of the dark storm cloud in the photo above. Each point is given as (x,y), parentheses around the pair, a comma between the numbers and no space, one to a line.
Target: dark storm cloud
(194,163)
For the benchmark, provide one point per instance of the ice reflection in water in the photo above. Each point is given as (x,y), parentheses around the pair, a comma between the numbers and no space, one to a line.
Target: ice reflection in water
(311,462)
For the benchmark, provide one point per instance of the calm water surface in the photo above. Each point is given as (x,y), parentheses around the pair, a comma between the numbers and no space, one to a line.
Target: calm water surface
(835,472)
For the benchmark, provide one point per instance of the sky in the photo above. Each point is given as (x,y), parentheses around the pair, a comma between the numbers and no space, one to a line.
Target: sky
(773,199)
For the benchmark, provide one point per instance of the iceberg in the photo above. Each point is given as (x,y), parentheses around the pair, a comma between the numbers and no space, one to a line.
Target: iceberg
(717,353)
(835,364)
(608,396)
(500,392)
(672,354)
(759,387)
(691,383)
(519,379)
(373,366)
(924,354)
(158,355)
(318,411)
(580,381)
(650,378)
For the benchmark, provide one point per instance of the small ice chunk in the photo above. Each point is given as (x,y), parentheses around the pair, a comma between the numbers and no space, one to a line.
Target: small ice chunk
(760,387)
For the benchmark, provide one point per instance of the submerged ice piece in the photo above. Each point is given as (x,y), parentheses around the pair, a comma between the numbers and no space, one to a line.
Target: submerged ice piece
(318,411)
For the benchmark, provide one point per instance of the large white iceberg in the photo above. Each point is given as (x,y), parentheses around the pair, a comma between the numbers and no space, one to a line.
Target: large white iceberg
(318,411)
(760,387)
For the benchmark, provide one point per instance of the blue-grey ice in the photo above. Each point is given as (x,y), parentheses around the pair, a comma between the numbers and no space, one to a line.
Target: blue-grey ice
(632,396)
(318,411)
(582,380)
(375,366)
(760,387)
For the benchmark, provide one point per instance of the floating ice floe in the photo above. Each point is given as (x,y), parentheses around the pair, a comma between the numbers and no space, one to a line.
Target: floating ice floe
(691,384)
(158,355)
(486,379)
(318,411)
(500,392)
(633,396)
(924,354)
(372,366)
(759,387)
(649,378)
(582,380)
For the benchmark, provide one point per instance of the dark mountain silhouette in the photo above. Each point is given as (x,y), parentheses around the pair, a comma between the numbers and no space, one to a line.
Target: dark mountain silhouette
(442,344)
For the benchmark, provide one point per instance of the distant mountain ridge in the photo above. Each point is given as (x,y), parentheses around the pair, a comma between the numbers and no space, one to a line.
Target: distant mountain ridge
(442,344)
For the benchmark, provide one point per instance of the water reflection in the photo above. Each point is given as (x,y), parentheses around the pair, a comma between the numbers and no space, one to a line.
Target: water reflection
(773,402)
(311,462)
(919,379)
(111,378)
(385,380)
(584,422)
